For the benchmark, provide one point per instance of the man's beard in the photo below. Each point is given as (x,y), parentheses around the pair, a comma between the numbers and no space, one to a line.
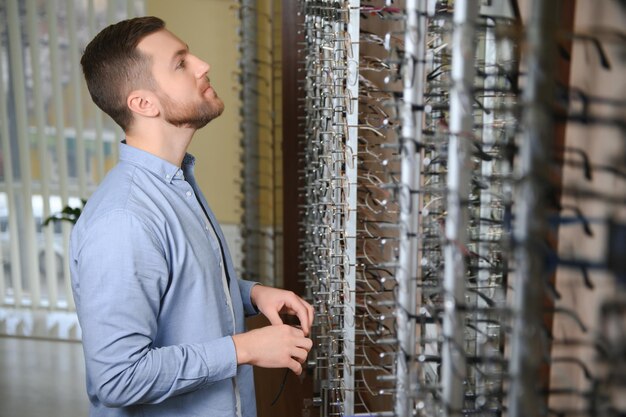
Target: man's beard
(190,115)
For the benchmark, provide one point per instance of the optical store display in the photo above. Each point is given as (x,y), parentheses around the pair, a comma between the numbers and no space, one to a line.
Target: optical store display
(463,230)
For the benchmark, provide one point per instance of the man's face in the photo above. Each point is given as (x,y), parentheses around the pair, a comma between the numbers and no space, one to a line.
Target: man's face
(183,88)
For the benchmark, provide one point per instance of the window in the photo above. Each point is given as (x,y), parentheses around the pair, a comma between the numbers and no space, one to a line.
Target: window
(56,145)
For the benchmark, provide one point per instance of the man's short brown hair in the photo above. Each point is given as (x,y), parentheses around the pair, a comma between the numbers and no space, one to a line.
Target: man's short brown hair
(113,66)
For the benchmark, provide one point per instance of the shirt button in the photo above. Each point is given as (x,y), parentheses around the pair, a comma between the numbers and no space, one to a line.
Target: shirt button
(167,177)
(188,193)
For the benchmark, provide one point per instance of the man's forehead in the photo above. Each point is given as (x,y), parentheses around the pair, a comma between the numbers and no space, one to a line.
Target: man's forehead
(162,43)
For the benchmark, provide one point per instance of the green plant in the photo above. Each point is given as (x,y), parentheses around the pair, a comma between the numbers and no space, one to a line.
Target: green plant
(69,214)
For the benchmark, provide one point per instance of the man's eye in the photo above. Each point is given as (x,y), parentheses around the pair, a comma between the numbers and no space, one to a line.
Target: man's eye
(181,64)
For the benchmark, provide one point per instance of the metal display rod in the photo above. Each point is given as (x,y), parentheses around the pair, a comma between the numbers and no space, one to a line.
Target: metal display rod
(461,124)
(412,132)
(352,120)
(250,139)
(530,213)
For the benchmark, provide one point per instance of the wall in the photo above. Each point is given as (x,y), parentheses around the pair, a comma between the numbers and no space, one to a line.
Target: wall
(604,145)
(210,29)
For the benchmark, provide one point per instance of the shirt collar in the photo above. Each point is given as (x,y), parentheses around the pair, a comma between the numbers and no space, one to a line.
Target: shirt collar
(160,167)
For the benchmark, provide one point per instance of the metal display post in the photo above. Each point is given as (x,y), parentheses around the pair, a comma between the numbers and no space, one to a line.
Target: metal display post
(250,140)
(352,112)
(530,214)
(412,131)
(461,122)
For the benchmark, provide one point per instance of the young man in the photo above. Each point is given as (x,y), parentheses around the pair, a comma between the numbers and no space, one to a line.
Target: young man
(160,306)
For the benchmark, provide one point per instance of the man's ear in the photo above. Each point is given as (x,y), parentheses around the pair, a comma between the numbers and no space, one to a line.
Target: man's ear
(143,103)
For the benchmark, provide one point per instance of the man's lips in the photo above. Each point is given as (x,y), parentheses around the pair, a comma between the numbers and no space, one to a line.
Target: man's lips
(206,87)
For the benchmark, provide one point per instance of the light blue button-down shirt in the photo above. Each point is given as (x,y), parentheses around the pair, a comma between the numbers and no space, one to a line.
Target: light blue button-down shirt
(150,298)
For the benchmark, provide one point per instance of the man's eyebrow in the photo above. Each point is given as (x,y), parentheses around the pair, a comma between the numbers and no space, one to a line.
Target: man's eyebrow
(180,52)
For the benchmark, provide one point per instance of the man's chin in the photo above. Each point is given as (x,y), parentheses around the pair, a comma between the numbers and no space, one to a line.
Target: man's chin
(220,109)
(218,105)
(215,111)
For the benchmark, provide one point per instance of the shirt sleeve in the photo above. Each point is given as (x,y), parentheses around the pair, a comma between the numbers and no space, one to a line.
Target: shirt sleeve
(121,275)
(245,287)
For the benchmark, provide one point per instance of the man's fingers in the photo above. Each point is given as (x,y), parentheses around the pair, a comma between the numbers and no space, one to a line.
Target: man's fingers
(275,346)
(304,343)
(273,317)
(299,355)
(295,366)
(304,322)
(304,312)
(301,345)
(311,312)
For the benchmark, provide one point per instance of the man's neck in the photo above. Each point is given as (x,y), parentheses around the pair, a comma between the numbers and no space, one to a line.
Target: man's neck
(169,144)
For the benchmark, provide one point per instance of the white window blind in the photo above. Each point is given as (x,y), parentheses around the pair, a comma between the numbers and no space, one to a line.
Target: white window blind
(56,144)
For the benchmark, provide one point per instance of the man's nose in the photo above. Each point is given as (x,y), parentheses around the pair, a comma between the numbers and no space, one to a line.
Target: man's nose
(202,68)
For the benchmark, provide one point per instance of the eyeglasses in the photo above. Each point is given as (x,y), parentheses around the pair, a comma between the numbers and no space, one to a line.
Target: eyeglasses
(379,196)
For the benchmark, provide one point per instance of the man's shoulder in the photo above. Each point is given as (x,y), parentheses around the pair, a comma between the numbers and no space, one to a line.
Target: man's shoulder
(126,188)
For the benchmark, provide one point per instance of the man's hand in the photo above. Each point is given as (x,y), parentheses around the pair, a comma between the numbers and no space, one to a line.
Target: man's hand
(273,301)
(279,346)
